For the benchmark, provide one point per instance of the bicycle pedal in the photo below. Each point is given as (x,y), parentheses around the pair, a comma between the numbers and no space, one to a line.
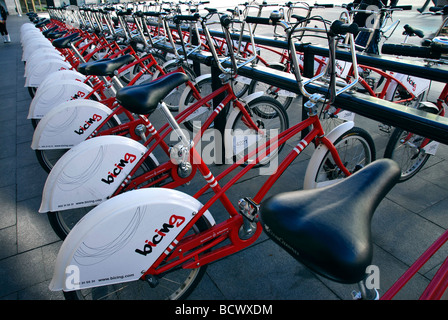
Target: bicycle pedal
(385,128)
(152,280)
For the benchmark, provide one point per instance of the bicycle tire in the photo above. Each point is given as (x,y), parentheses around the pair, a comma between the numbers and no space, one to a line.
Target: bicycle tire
(268,114)
(32,91)
(63,221)
(179,283)
(48,158)
(271,91)
(132,72)
(172,99)
(204,86)
(356,149)
(408,155)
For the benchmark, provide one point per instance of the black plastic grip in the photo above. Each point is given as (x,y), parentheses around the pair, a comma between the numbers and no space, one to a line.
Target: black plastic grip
(183,17)
(338,27)
(258,20)
(329,5)
(152,13)
(410,51)
(404,7)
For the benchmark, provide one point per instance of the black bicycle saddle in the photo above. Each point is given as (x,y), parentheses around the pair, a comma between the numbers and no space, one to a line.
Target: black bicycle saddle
(144,99)
(65,41)
(328,229)
(45,32)
(104,67)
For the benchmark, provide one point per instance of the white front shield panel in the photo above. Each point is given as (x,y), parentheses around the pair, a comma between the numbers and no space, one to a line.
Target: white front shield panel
(52,96)
(90,172)
(40,71)
(61,75)
(69,123)
(39,57)
(122,237)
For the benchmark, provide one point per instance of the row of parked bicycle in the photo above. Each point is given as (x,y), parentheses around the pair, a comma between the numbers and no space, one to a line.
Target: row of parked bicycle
(97,77)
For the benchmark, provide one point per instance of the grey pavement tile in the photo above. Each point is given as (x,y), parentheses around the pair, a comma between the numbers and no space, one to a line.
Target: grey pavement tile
(39,291)
(27,155)
(33,228)
(21,271)
(417,194)
(8,239)
(266,271)
(7,149)
(30,182)
(438,213)
(7,129)
(25,133)
(8,173)
(8,206)
(403,234)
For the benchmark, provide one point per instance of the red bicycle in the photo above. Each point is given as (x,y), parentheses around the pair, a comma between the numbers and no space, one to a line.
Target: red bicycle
(166,238)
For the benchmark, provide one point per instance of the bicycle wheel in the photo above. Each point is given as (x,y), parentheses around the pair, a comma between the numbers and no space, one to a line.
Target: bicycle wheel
(355,148)
(130,73)
(195,121)
(48,158)
(173,98)
(404,148)
(284,97)
(269,116)
(63,221)
(175,284)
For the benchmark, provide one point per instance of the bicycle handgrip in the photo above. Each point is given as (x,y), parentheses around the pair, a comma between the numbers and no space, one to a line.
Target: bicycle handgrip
(329,5)
(183,17)
(338,27)
(258,20)
(409,50)
(443,9)
(152,13)
(404,7)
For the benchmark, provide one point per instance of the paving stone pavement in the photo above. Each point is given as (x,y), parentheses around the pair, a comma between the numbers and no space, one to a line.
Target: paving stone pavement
(406,222)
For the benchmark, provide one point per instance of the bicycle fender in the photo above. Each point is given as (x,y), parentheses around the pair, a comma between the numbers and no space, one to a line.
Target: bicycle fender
(320,152)
(228,136)
(61,75)
(51,96)
(157,73)
(39,56)
(90,172)
(121,238)
(39,44)
(187,90)
(69,123)
(42,70)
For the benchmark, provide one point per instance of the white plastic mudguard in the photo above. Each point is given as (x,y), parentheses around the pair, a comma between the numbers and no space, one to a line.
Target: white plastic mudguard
(90,172)
(30,37)
(110,244)
(40,71)
(38,58)
(40,44)
(69,123)
(58,76)
(52,96)
(320,152)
